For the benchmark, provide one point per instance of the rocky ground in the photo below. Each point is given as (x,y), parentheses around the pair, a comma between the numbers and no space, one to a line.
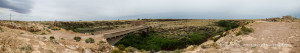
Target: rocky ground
(268,37)
(16,40)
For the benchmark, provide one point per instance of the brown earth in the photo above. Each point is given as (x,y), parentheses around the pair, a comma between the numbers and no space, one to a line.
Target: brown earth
(268,37)
(15,40)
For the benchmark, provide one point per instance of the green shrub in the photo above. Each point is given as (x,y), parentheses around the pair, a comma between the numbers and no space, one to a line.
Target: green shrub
(52,37)
(62,38)
(121,47)
(142,50)
(244,30)
(101,42)
(43,33)
(151,41)
(116,51)
(239,33)
(22,33)
(89,40)
(31,30)
(26,48)
(130,49)
(203,47)
(216,39)
(92,33)
(77,38)
(178,51)
(44,37)
(228,24)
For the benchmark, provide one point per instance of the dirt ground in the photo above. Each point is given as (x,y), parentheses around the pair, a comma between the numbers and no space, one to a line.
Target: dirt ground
(268,37)
(42,44)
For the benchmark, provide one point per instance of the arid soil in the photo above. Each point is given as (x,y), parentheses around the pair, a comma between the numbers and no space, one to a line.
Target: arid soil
(20,41)
(268,37)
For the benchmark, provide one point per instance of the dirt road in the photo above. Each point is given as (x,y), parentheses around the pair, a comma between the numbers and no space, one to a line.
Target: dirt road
(268,37)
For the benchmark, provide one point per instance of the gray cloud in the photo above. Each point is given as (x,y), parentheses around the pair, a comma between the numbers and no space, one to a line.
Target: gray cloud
(132,9)
(20,6)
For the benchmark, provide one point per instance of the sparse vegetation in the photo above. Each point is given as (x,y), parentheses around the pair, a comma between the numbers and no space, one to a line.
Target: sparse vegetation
(26,48)
(88,27)
(77,39)
(116,51)
(80,50)
(203,47)
(92,33)
(62,38)
(43,33)
(228,24)
(101,42)
(44,37)
(121,47)
(89,40)
(51,37)
(151,41)
(22,33)
(244,30)
(216,39)
(239,33)
(178,51)
(165,37)
(130,49)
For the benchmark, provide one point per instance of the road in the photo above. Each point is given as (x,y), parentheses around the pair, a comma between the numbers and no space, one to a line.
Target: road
(268,37)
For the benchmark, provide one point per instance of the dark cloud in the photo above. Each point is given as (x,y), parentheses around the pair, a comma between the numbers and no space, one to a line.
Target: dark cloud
(20,6)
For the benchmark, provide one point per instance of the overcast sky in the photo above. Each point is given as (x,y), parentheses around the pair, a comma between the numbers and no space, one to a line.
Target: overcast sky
(71,10)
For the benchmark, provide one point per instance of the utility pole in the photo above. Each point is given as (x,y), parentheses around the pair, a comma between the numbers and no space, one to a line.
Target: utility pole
(10,18)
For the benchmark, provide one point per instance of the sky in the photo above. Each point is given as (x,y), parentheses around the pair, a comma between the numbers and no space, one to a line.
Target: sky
(74,10)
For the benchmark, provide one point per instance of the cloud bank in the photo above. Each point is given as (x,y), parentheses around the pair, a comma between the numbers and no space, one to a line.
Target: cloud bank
(20,6)
(126,9)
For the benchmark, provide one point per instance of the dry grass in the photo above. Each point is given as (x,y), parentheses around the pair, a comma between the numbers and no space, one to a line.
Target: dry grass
(182,23)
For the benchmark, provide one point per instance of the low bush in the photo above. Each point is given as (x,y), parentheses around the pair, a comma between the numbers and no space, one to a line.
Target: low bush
(121,47)
(52,37)
(247,30)
(26,48)
(62,38)
(116,51)
(89,40)
(44,37)
(244,30)
(22,33)
(101,42)
(130,49)
(239,33)
(228,24)
(216,39)
(77,38)
(43,33)
(203,47)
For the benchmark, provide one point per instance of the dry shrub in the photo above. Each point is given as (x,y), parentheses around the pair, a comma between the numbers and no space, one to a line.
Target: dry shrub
(245,30)
(116,51)
(131,49)
(80,49)
(9,44)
